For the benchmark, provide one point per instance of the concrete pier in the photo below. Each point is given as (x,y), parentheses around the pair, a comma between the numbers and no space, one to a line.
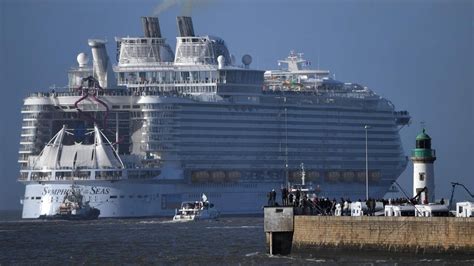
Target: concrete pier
(278,227)
(394,234)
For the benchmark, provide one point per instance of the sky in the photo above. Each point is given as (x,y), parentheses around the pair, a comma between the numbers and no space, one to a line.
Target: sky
(418,54)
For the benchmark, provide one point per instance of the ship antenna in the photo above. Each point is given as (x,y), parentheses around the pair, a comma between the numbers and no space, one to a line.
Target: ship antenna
(422,124)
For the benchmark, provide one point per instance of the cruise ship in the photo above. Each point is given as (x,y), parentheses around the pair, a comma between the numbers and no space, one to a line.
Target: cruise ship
(160,127)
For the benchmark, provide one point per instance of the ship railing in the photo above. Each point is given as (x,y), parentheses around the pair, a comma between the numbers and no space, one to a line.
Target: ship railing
(165,83)
(105,92)
(423,153)
(313,91)
(88,174)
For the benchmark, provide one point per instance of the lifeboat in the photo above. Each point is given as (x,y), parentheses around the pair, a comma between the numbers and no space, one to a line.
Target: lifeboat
(375,176)
(294,176)
(348,176)
(360,178)
(233,176)
(332,176)
(313,176)
(200,177)
(218,176)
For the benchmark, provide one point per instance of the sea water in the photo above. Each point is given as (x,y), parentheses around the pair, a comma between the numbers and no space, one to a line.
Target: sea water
(228,241)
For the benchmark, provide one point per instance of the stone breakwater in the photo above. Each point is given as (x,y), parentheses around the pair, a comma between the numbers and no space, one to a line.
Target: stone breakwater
(404,234)
(286,233)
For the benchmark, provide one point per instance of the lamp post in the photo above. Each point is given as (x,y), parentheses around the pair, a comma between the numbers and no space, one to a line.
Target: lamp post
(366,127)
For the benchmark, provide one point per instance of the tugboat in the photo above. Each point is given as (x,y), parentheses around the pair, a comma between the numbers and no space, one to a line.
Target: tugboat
(196,210)
(73,208)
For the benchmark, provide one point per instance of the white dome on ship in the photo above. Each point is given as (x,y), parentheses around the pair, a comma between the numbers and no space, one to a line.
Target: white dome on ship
(246,60)
(82,59)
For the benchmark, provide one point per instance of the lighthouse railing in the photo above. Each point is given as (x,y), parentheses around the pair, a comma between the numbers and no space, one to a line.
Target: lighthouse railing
(423,153)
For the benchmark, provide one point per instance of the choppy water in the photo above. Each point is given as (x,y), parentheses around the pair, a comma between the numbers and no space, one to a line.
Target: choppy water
(231,240)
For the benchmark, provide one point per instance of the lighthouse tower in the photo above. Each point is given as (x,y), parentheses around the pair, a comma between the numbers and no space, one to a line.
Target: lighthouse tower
(423,158)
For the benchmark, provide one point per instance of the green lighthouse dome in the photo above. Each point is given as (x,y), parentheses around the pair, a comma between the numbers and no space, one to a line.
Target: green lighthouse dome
(423,136)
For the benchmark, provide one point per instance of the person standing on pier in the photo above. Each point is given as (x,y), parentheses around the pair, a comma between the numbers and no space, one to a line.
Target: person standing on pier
(345,208)
(284,196)
(273,197)
(297,197)
(290,199)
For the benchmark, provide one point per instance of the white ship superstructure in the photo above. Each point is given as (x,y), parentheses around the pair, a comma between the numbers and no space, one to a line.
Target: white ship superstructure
(194,122)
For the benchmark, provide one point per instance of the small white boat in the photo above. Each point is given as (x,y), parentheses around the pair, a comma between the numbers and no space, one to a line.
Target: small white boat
(196,210)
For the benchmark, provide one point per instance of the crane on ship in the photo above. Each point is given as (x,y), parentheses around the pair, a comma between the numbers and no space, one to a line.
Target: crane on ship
(454,185)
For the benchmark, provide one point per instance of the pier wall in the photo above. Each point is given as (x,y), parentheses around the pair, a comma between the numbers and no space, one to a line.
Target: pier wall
(411,234)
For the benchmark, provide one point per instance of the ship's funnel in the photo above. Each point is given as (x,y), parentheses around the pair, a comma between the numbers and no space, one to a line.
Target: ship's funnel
(185,26)
(101,63)
(151,27)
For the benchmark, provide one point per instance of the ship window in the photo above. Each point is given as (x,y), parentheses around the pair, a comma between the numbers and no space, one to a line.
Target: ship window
(139,196)
(38,198)
(113,197)
(115,106)
(422,176)
(122,196)
(171,201)
(131,196)
(136,106)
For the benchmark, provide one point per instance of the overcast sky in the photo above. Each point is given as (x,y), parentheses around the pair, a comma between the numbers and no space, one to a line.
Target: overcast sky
(418,54)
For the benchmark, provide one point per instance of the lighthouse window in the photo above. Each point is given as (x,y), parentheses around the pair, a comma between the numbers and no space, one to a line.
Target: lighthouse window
(422,176)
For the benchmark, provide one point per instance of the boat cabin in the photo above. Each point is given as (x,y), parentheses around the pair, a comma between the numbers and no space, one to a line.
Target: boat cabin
(360,208)
(399,210)
(431,210)
(465,209)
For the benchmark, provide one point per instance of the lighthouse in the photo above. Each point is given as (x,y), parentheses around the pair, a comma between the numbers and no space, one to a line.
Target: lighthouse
(423,158)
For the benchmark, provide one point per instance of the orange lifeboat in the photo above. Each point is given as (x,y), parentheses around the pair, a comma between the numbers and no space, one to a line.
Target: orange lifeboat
(294,176)
(313,176)
(218,176)
(360,177)
(200,177)
(233,176)
(348,176)
(332,176)
(375,176)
